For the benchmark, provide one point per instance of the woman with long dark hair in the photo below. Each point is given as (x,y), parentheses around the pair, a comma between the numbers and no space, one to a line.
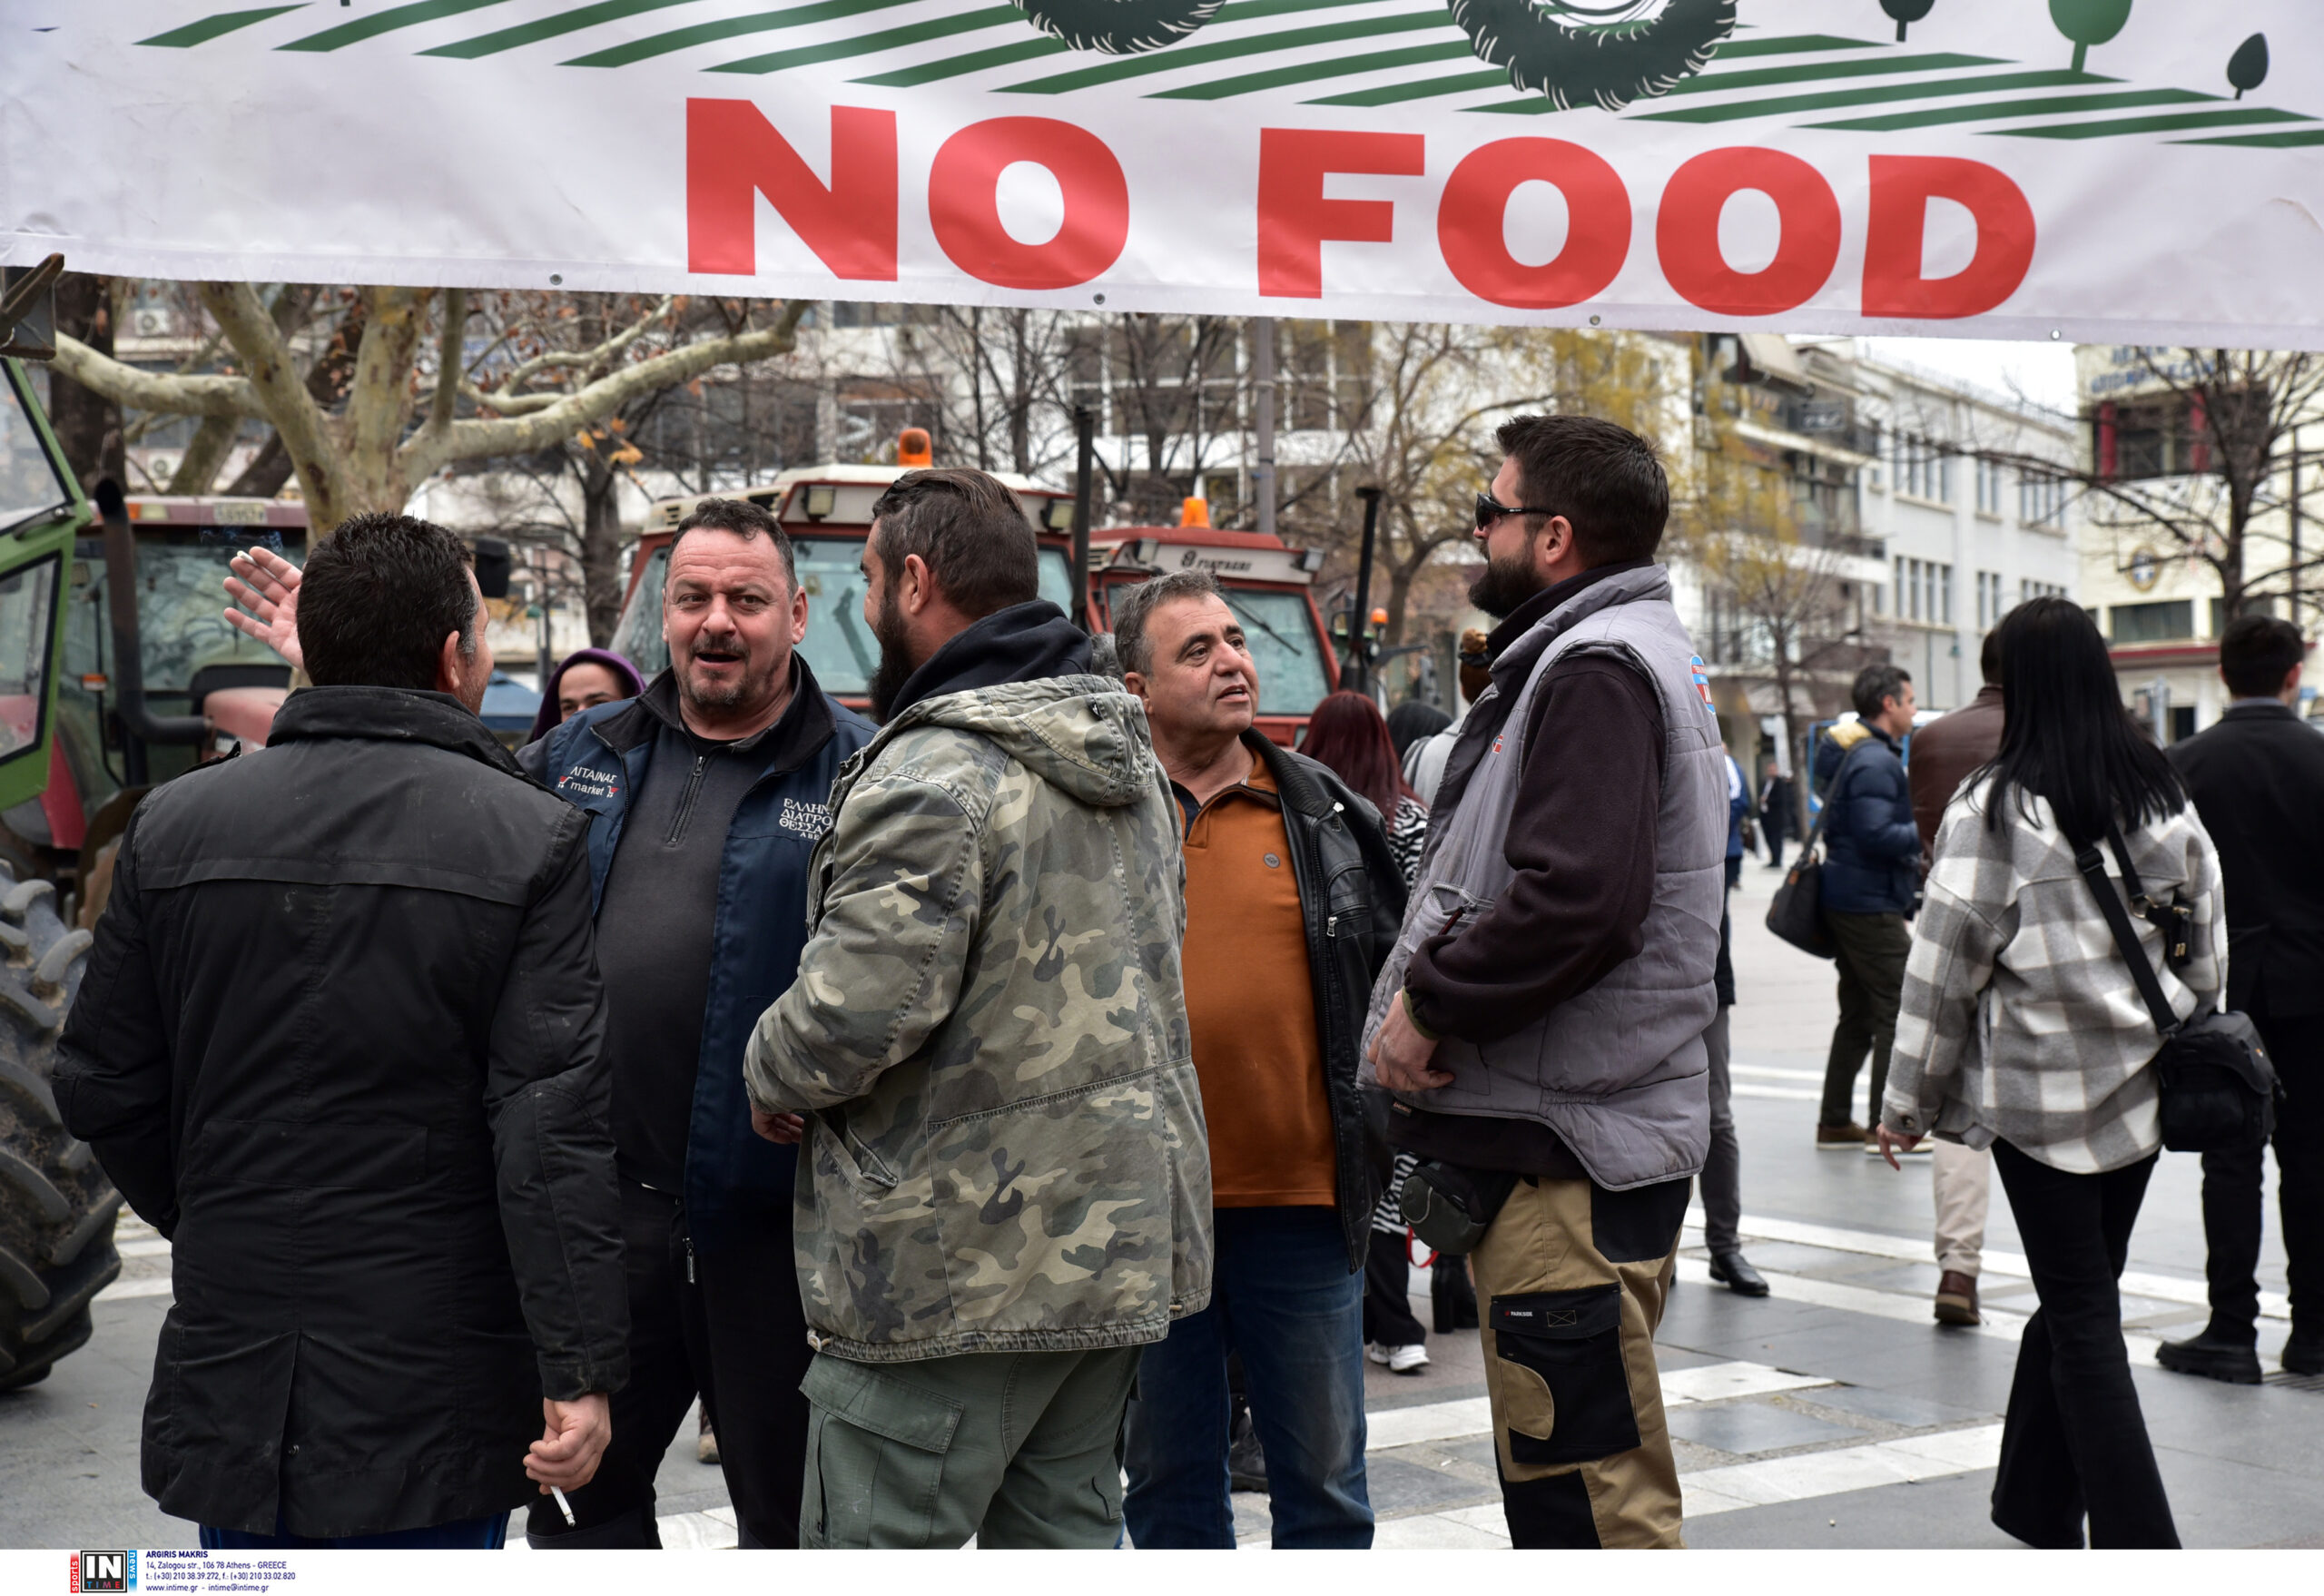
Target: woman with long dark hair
(1347,733)
(2022,1029)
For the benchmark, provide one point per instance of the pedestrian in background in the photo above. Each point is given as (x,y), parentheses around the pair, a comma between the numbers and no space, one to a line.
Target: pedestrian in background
(1292,897)
(584,679)
(1945,752)
(704,796)
(2022,1030)
(1778,807)
(1551,1034)
(1345,735)
(1007,1195)
(1424,760)
(1871,873)
(341,1040)
(1414,721)
(2257,778)
(1721,1181)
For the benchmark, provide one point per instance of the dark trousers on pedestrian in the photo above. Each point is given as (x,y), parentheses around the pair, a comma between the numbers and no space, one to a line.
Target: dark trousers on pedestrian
(488,1533)
(1388,1316)
(1772,827)
(1721,1181)
(2232,1195)
(1871,951)
(1282,1295)
(724,1323)
(2074,1443)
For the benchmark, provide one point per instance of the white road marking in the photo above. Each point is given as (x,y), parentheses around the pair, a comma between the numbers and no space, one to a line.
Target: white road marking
(1877,1243)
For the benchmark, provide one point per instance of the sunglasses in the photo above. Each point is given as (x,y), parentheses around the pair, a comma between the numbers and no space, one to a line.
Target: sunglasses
(1491,509)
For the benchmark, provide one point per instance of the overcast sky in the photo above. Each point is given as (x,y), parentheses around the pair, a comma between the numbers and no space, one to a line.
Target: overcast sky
(2043,372)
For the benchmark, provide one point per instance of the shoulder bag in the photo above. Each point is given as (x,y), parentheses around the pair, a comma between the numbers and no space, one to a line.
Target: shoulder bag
(1797,913)
(2217,1086)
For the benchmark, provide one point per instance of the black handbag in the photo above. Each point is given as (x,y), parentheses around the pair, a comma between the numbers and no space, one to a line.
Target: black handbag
(2216,1085)
(1797,913)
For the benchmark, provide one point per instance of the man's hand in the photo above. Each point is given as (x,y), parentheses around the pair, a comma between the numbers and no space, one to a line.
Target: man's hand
(269,585)
(1400,1056)
(567,1454)
(783,1128)
(1891,1144)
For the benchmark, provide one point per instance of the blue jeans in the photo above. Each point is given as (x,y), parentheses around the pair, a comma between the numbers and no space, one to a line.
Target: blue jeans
(485,1534)
(1283,1297)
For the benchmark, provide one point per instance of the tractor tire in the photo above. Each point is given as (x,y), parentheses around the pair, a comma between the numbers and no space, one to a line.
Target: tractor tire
(57,1206)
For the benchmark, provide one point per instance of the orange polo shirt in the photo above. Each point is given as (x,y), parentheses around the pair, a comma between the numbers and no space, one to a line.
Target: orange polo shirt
(1251,1005)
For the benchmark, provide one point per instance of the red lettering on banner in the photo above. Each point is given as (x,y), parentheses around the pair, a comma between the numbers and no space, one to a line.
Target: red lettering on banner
(966,215)
(1902,187)
(1471,224)
(1685,232)
(733,154)
(1294,218)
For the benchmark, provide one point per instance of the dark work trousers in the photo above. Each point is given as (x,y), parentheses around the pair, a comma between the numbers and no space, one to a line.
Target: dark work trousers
(725,1326)
(2074,1441)
(2232,1197)
(1871,961)
(1388,1316)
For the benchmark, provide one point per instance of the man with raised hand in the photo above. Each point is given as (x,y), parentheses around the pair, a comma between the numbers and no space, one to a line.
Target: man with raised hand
(1004,1196)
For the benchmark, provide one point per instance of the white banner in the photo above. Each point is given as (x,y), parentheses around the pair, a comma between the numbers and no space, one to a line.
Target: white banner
(2091,170)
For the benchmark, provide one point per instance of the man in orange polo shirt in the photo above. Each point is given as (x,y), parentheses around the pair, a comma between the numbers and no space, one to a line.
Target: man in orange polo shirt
(1293,898)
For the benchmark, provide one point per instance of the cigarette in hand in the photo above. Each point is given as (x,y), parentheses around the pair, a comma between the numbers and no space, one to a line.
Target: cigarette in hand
(566,1508)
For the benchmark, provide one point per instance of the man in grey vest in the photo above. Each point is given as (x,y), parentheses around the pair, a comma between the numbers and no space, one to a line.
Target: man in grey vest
(1541,1020)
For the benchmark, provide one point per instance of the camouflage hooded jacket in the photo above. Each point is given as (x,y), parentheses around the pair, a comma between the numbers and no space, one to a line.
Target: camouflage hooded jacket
(1005,1148)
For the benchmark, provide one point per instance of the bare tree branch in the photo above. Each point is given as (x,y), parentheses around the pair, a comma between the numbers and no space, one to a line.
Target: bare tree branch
(173,395)
(250,327)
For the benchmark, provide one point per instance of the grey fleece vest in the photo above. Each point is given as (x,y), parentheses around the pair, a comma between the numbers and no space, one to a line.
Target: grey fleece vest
(1618,1071)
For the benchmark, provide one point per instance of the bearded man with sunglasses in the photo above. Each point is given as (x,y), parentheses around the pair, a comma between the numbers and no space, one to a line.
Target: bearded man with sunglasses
(1541,1020)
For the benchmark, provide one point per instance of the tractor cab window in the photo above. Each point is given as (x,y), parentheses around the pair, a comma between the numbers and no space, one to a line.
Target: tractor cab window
(1279,629)
(32,487)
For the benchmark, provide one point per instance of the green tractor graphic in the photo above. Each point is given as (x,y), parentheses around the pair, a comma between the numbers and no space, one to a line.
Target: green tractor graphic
(1575,54)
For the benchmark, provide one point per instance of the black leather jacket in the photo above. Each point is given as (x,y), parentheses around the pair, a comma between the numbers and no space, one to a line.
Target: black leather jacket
(1352,895)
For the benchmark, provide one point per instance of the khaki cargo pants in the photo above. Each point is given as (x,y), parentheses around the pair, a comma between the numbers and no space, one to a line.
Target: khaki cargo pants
(1571,1283)
(1015,1449)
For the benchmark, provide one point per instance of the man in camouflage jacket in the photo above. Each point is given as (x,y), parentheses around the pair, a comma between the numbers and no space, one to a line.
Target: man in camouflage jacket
(1005,1187)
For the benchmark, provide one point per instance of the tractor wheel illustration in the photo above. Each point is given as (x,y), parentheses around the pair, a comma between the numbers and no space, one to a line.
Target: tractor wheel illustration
(1605,54)
(1120,27)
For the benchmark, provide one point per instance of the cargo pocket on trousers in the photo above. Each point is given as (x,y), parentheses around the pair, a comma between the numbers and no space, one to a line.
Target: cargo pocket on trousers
(1566,1394)
(875,1456)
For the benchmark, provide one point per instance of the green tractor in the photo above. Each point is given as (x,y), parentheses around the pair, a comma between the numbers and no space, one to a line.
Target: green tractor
(56,1207)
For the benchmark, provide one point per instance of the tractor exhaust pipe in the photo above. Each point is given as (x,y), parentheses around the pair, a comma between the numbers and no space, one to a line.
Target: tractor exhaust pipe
(139,725)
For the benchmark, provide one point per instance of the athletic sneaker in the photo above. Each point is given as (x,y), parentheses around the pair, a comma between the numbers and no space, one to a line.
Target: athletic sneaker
(1400,1360)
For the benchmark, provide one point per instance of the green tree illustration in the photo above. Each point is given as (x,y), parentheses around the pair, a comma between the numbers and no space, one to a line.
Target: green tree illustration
(2089,22)
(2248,67)
(1906,12)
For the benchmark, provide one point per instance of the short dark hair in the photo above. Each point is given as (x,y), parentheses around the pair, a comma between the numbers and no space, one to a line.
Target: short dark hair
(970,531)
(745,520)
(1605,479)
(1132,608)
(1875,686)
(1989,658)
(378,599)
(2256,652)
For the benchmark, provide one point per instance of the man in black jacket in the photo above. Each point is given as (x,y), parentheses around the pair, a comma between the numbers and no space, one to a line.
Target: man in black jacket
(1293,898)
(340,1040)
(2257,779)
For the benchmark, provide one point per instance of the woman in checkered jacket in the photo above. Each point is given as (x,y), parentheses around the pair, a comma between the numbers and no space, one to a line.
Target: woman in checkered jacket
(2022,1029)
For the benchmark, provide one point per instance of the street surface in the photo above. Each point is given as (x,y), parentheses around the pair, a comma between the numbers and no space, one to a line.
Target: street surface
(1835,1412)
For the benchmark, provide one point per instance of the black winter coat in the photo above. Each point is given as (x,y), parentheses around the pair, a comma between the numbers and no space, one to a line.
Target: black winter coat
(1352,895)
(340,1040)
(2257,777)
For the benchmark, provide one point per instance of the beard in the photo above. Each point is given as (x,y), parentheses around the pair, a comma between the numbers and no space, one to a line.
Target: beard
(896,663)
(746,688)
(1503,585)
